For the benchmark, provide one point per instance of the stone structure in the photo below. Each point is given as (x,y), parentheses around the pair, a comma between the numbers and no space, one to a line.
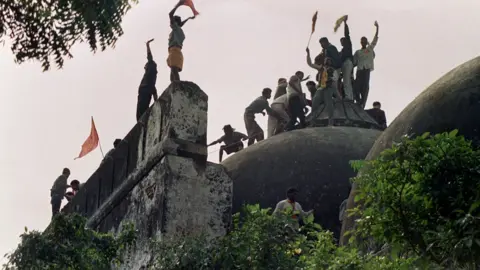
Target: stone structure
(452,102)
(159,179)
(314,159)
(346,113)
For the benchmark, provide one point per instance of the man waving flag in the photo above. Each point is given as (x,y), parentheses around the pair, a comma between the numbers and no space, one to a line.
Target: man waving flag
(190,4)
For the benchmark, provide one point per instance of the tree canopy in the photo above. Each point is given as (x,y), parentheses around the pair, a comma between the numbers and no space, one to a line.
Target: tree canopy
(67,244)
(422,197)
(45,30)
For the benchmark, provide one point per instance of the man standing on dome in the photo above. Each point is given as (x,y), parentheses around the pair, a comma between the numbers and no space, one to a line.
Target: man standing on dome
(291,204)
(260,104)
(175,43)
(363,60)
(147,87)
(326,91)
(346,58)
(378,114)
(281,88)
(275,125)
(332,53)
(232,139)
(296,103)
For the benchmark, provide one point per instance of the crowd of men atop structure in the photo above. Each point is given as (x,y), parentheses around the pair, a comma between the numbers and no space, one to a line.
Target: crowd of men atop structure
(334,82)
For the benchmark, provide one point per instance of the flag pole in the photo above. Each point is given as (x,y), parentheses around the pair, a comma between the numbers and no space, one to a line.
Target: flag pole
(100,146)
(308,44)
(99,142)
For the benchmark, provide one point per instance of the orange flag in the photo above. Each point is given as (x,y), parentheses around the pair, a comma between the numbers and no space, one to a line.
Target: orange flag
(91,142)
(314,21)
(190,4)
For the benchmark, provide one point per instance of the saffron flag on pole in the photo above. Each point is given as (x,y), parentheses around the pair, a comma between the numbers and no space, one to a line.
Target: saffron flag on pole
(91,142)
(314,21)
(189,3)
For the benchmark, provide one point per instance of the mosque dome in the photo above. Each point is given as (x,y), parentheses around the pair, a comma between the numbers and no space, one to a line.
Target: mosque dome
(452,102)
(315,160)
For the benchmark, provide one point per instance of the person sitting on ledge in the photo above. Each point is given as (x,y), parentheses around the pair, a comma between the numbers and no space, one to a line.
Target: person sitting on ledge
(232,139)
(378,114)
(116,143)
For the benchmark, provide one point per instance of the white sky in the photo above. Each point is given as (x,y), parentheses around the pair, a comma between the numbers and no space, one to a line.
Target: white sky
(233,50)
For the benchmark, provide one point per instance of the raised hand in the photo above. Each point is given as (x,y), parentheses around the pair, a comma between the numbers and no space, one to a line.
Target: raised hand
(375,23)
(308,50)
(148,42)
(193,17)
(346,18)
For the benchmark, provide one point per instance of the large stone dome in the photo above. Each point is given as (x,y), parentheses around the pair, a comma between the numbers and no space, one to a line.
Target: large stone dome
(315,160)
(452,102)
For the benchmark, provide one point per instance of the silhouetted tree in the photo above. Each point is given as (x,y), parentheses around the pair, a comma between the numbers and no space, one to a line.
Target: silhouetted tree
(45,30)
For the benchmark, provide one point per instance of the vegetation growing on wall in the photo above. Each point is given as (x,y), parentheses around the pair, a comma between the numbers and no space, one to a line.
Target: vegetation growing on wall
(67,244)
(422,197)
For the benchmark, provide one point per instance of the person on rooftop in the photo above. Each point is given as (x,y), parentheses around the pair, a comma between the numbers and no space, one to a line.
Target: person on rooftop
(346,58)
(232,139)
(276,125)
(259,105)
(175,43)
(58,191)
(363,59)
(378,114)
(147,88)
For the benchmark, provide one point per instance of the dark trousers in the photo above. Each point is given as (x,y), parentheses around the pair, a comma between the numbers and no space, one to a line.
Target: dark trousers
(295,107)
(143,103)
(362,86)
(56,201)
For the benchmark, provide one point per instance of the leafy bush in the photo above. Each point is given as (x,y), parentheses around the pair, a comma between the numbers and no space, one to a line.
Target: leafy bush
(262,241)
(422,197)
(67,244)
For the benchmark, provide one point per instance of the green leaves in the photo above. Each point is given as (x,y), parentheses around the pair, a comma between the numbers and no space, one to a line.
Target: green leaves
(423,195)
(67,244)
(262,241)
(45,30)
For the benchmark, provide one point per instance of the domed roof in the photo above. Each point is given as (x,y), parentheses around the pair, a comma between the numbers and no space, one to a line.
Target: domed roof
(314,160)
(452,102)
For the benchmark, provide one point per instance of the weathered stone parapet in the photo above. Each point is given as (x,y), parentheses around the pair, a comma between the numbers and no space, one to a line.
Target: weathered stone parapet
(176,200)
(159,179)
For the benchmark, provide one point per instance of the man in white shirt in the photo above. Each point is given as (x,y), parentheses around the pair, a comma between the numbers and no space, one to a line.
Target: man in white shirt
(296,103)
(276,125)
(291,204)
(363,59)
(260,104)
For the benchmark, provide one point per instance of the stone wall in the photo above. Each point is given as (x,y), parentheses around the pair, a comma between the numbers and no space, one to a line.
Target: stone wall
(158,177)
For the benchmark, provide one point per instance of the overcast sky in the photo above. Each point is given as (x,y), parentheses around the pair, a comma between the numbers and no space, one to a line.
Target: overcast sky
(233,50)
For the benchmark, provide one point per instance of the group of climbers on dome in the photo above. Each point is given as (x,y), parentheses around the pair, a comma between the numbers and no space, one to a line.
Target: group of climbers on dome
(334,81)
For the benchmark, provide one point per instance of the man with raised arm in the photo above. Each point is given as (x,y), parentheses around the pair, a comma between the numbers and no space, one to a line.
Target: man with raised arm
(175,43)
(147,87)
(363,59)
(346,58)
(232,139)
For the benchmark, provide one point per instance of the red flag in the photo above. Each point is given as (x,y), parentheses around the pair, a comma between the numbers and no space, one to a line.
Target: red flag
(90,143)
(190,4)
(314,21)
